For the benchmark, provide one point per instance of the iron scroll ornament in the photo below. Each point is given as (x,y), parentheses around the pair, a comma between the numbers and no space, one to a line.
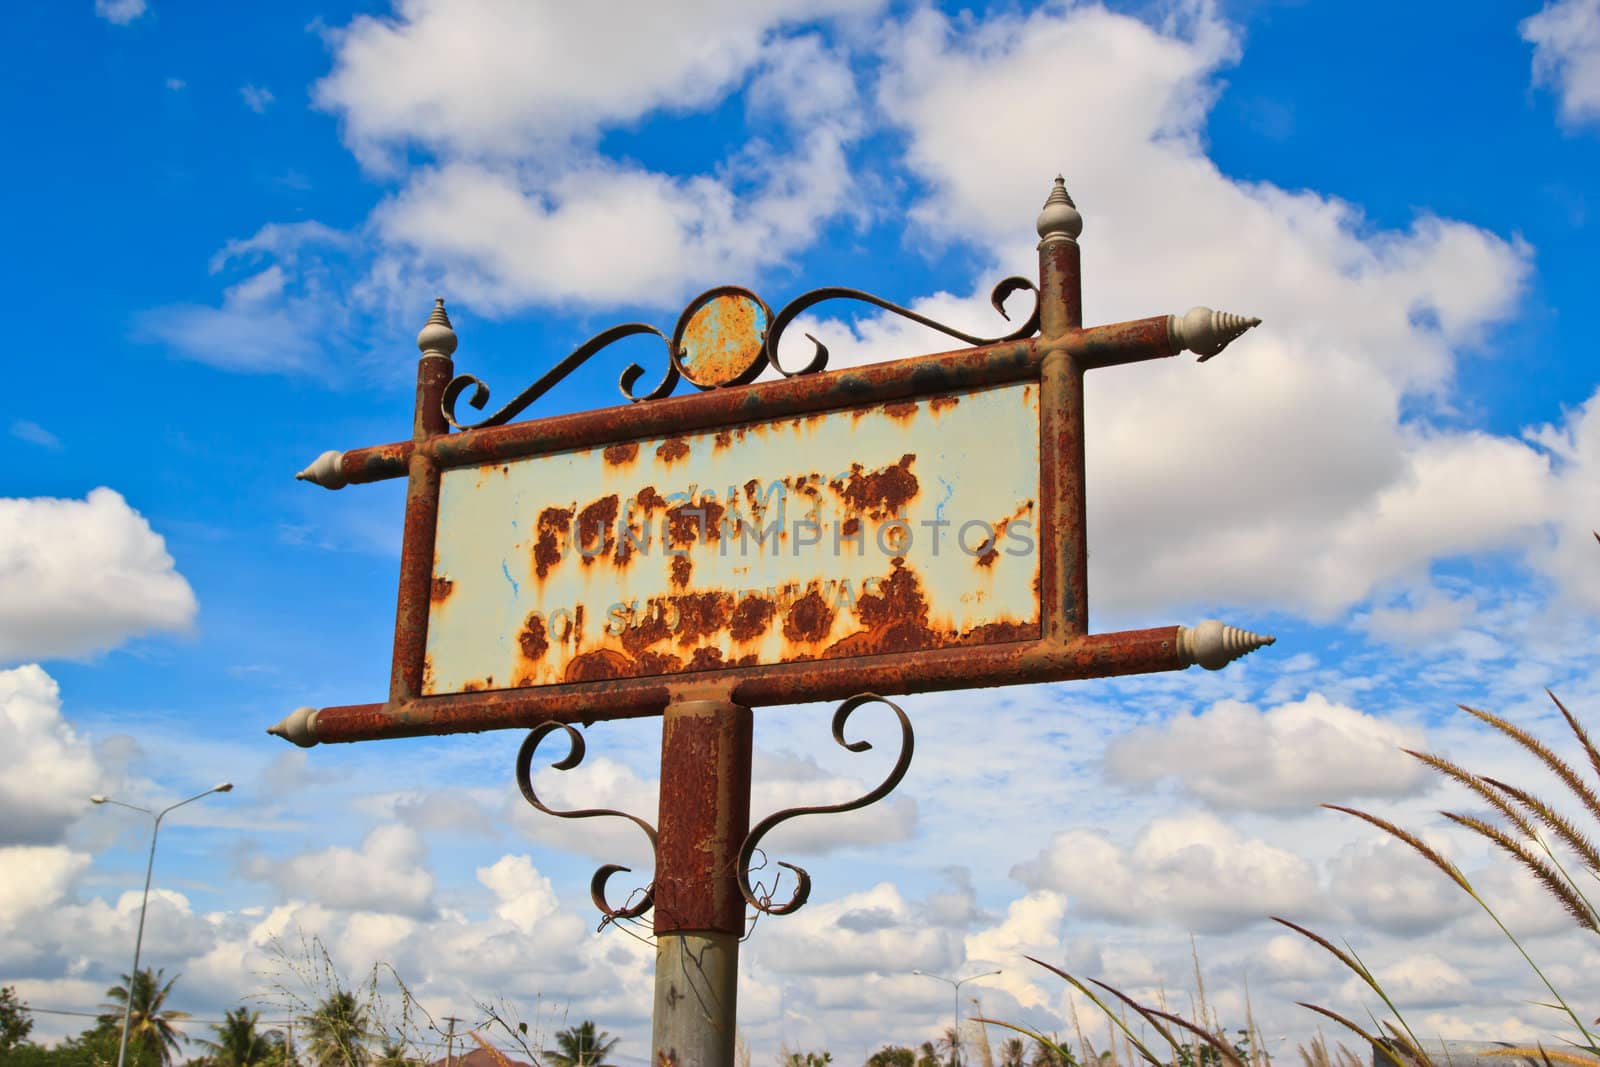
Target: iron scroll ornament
(574,756)
(711,355)
(752,841)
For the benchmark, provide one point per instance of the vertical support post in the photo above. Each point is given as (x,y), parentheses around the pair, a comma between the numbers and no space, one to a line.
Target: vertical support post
(437,342)
(1065,586)
(699,911)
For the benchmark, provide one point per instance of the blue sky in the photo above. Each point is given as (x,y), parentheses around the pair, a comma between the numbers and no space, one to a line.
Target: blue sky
(226,225)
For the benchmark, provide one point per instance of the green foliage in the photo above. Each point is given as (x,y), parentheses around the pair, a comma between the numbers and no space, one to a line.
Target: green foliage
(240,1044)
(150,1029)
(15,1022)
(581,1046)
(893,1056)
(808,1059)
(338,1030)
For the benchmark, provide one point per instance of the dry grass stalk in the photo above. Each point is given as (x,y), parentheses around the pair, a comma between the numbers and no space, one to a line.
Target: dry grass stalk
(1558,824)
(1557,765)
(1547,876)
(1482,785)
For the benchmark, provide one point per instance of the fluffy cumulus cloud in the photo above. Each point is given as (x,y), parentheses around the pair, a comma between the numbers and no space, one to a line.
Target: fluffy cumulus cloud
(82,576)
(561,73)
(1290,757)
(1565,36)
(388,873)
(1214,507)
(46,770)
(873,931)
(1193,872)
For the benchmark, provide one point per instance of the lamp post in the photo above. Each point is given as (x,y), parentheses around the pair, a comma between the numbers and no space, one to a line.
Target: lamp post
(955,985)
(149,868)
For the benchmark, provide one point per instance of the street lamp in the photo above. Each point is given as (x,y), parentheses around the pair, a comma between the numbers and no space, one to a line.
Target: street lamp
(149,867)
(955,985)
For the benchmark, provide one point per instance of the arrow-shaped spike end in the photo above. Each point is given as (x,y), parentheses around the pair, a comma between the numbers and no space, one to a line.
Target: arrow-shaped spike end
(1206,332)
(298,727)
(327,470)
(1213,644)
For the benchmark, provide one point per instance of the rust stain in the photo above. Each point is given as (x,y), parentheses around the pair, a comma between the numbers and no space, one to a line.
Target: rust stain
(942,403)
(750,618)
(552,524)
(723,440)
(882,493)
(701,615)
(599,665)
(851,526)
(681,569)
(598,519)
(694,524)
(672,449)
(532,639)
(809,618)
(618,455)
(705,659)
(471,687)
(901,410)
(440,591)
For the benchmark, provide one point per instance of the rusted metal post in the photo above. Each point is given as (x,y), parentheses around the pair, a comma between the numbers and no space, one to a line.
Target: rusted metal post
(435,368)
(699,911)
(1065,584)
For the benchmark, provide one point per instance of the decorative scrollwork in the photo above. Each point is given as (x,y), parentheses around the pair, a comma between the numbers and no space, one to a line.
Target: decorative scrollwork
(725,336)
(819,357)
(575,359)
(574,756)
(752,841)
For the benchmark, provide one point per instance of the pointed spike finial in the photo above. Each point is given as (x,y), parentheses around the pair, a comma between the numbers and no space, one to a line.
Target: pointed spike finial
(298,727)
(327,470)
(1059,221)
(437,337)
(1206,332)
(1213,644)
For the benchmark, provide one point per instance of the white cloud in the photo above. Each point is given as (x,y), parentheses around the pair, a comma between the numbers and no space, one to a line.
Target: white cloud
(601,233)
(1358,323)
(31,432)
(526,897)
(388,874)
(1565,35)
(560,73)
(46,771)
(1291,757)
(36,878)
(256,97)
(120,12)
(1190,871)
(874,931)
(82,576)
(1388,886)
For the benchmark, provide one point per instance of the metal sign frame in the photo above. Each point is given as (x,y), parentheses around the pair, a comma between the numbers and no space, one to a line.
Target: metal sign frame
(1051,350)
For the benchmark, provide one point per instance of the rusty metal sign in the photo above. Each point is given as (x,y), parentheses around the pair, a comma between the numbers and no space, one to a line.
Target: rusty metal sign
(885,528)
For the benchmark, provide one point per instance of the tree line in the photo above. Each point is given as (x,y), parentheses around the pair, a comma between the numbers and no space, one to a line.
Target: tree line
(339,1030)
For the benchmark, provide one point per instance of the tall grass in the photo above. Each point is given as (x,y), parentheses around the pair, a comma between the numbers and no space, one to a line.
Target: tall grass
(1542,836)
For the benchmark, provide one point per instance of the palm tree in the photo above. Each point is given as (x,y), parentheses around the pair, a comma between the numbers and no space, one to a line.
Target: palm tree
(239,1043)
(337,1032)
(150,1031)
(1013,1052)
(581,1046)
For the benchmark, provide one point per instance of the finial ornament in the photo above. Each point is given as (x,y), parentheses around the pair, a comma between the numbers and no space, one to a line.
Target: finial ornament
(1214,644)
(1206,332)
(1059,221)
(327,470)
(298,727)
(437,338)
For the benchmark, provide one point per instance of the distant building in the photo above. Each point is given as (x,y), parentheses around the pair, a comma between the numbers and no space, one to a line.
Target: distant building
(479,1057)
